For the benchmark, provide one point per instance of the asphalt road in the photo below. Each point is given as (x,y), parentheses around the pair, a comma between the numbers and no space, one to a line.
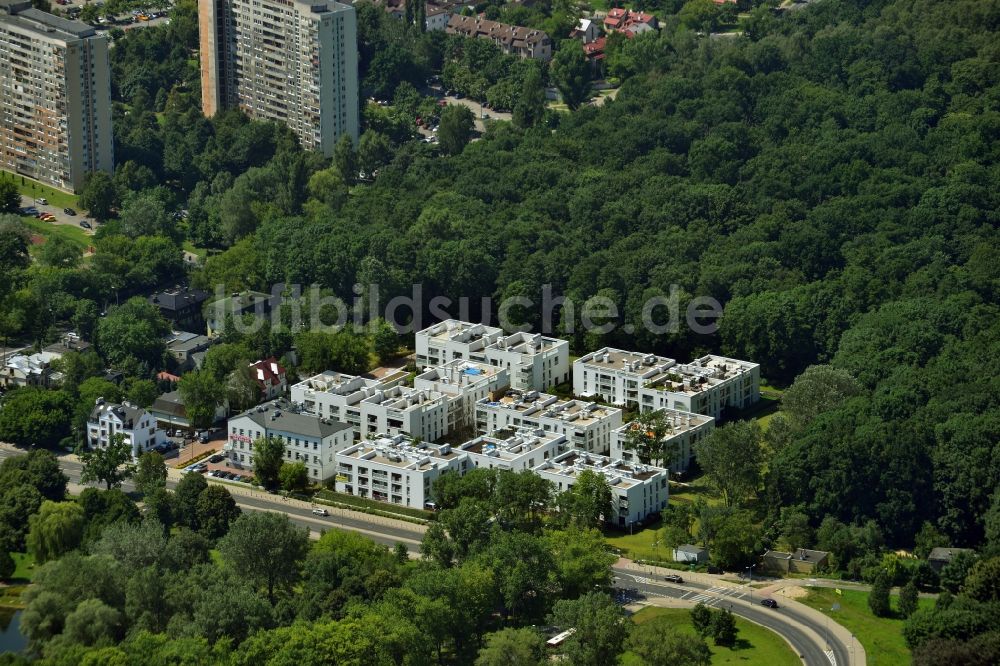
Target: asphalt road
(61,217)
(808,636)
(299,513)
(783,621)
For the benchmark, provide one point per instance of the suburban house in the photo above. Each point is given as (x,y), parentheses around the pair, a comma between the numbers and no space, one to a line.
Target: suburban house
(628,22)
(187,348)
(436,13)
(533,361)
(308,438)
(684,430)
(137,425)
(586,31)
(68,342)
(396,469)
(30,370)
(586,425)
(181,306)
(939,557)
(512,39)
(802,560)
(270,377)
(170,414)
(690,553)
(595,54)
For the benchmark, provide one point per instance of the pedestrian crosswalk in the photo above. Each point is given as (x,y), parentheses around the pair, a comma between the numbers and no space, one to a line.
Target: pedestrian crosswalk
(714,595)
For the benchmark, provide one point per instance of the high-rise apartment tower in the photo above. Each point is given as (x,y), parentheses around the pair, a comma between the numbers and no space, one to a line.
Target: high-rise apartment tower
(292,61)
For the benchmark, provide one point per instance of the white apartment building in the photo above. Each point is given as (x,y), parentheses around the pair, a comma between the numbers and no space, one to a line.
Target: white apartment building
(707,385)
(329,394)
(55,97)
(290,61)
(684,430)
(308,438)
(586,425)
(533,361)
(465,383)
(396,469)
(523,450)
(108,419)
(637,491)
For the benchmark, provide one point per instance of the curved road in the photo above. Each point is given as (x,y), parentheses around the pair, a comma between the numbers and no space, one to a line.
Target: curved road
(809,645)
(809,637)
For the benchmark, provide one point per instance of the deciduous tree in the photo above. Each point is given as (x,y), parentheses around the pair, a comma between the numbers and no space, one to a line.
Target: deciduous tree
(110,465)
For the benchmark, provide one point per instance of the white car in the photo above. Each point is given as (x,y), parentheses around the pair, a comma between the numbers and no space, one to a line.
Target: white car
(321,512)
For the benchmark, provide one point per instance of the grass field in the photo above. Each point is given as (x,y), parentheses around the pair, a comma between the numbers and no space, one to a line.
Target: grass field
(754,645)
(881,637)
(34,189)
(47,230)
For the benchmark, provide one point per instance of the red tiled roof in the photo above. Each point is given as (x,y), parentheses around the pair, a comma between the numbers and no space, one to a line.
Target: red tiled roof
(268,372)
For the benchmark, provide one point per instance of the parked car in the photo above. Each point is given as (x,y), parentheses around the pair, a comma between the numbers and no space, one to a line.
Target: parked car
(69,211)
(42,200)
(203,439)
(321,512)
(673,578)
(218,457)
(770,603)
(85,224)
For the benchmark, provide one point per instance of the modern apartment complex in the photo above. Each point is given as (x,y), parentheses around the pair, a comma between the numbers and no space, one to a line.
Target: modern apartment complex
(523,450)
(55,97)
(290,61)
(465,383)
(684,430)
(586,425)
(396,469)
(308,438)
(637,491)
(707,385)
(533,361)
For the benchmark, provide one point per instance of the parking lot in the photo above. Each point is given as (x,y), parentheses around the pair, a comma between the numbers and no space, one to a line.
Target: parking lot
(33,206)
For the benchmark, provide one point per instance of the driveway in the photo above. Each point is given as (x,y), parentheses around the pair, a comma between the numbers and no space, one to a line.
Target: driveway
(60,216)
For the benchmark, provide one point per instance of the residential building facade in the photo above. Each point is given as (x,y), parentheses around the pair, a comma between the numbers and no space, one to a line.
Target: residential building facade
(308,439)
(396,469)
(512,39)
(638,492)
(55,97)
(465,383)
(30,370)
(184,346)
(533,361)
(707,385)
(170,413)
(586,426)
(684,430)
(290,61)
(139,427)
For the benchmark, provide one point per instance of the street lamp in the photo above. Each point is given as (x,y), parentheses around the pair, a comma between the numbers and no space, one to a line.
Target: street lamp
(750,583)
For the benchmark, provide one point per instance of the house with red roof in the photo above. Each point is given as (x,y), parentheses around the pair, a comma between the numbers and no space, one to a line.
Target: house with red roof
(271,378)
(628,22)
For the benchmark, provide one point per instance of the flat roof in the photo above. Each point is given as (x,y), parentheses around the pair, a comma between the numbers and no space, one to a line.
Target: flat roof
(461,331)
(619,474)
(678,422)
(544,405)
(512,448)
(620,359)
(335,383)
(401,452)
(43,23)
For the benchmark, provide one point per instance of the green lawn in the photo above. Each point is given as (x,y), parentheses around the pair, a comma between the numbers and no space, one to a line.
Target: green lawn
(47,230)
(754,645)
(25,570)
(200,252)
(881,637)
(34,189)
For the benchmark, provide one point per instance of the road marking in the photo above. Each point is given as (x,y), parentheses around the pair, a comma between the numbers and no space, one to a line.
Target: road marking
(832,657)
